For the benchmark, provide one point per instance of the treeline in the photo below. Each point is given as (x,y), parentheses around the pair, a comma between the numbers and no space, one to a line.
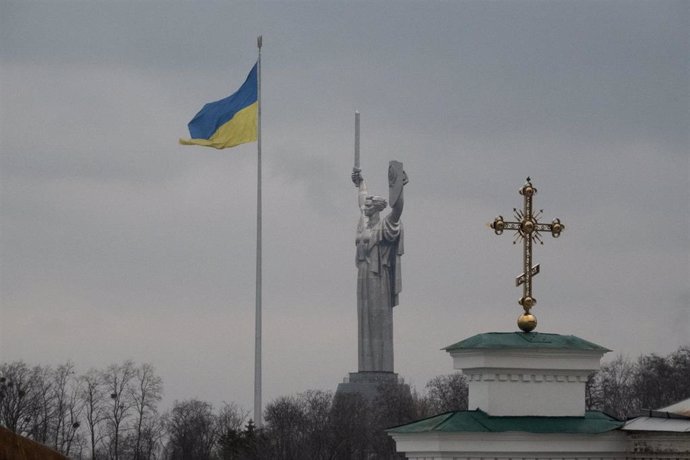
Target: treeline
(108,413)
(114,413)
(624,387)
(315,425)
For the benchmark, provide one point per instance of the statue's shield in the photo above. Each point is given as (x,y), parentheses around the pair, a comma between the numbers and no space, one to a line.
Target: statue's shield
(395,181)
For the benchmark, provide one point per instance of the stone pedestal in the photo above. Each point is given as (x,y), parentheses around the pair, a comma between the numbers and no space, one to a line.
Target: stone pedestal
(367,383)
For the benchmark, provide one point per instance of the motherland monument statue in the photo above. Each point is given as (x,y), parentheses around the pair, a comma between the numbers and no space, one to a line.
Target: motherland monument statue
(379,247)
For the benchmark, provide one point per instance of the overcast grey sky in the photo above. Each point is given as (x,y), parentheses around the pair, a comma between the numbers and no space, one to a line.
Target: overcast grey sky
(116,242)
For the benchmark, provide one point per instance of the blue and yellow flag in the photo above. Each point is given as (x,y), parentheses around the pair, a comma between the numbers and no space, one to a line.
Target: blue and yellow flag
(228,122)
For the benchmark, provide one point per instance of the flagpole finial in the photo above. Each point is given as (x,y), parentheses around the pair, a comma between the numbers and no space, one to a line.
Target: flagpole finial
(259,41)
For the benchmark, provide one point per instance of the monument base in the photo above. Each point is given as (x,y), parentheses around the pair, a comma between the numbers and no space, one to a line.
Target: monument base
(367,383)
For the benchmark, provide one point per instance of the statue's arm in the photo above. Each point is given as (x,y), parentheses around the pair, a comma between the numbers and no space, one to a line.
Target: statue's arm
(363,194)
(397,208)
(361,187)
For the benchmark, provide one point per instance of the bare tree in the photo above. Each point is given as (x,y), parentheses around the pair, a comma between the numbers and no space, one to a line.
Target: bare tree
(285,418)
(75,438)
(392,406)
(350,425)
(146,392)
(611,389)
(661,381)
(152,434)
(19,396)
(116,380)
(42,416)
(92,395)
(191,430)
(680,360)
(67,407)
(447,393)
(318,436)
(233,443)
(231,417)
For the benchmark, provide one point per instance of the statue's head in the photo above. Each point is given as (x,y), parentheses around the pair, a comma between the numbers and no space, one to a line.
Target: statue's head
(374,205)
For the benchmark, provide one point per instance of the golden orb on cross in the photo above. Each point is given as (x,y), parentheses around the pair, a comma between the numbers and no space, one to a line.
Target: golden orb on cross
(527,322)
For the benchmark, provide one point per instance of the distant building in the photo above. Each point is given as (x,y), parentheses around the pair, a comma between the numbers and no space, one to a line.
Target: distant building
(660,434)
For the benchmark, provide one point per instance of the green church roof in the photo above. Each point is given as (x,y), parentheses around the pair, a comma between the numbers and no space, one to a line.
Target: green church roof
(593,422)
(525,340)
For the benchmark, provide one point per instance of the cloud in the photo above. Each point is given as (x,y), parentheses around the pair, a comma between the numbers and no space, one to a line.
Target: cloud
(118,243)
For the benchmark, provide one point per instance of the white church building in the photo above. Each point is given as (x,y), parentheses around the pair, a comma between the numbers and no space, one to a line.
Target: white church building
(527,401)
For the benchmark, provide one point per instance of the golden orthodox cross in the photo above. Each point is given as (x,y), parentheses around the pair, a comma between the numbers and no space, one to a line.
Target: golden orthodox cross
(527,229)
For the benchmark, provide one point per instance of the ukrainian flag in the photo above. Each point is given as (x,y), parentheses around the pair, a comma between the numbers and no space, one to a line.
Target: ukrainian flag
(229,122)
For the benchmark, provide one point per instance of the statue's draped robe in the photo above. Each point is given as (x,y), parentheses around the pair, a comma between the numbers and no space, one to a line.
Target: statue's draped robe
(378,284)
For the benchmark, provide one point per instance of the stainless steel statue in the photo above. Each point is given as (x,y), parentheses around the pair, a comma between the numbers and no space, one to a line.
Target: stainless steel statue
(379,245)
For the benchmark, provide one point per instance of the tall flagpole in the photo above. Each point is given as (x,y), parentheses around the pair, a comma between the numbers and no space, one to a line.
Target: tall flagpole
(258,419)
